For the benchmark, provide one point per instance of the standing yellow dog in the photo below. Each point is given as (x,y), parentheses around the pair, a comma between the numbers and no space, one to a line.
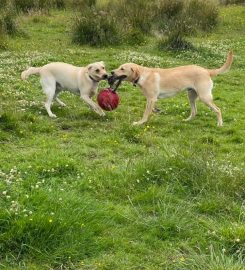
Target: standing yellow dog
(162,83)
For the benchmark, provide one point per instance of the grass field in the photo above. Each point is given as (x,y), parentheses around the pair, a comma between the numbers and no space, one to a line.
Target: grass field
(84,192)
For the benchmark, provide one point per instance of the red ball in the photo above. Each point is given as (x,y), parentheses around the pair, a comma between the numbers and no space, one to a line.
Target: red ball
(108,99)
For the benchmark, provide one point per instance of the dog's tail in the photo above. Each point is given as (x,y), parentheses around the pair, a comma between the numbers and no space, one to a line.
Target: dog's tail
(30,71)
(224,68)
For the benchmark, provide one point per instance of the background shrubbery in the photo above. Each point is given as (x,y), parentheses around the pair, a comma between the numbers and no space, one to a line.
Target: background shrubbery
(8,25)
(178,19)
(45,5)
(8,17)
(232,2)
(10,9)
(128,21)
(95,28)
(113,22)
(2,37)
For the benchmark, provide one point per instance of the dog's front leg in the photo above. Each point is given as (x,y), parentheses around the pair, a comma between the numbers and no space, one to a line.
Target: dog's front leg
(148,110)
(92,104)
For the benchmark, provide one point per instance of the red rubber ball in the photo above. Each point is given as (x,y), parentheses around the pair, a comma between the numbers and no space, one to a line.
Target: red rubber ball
(108,99)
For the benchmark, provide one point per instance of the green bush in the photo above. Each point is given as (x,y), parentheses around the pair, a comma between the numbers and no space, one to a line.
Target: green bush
(24,5)
(109,22)
(3,44)
(204,14)
(27,5)
(232,2)
(8,25)
(135,14)
(9,22)
(100,25)
(83,3)
(169,21)
(134,36)
(60,4)
(95,28)
(178,19)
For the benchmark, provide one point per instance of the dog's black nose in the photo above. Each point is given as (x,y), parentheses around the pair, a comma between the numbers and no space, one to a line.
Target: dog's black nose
(113,72)
(105,76)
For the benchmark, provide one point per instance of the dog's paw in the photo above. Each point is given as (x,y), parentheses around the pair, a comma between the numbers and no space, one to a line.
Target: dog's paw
(138,123)
(62,104)
(101,113)
(191,117)
(53,115)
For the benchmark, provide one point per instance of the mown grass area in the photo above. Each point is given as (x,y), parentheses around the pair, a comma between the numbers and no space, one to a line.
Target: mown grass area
(84,192)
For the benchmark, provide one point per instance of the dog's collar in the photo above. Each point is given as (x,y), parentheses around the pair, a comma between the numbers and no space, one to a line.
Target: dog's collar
(92,79)
(136,81)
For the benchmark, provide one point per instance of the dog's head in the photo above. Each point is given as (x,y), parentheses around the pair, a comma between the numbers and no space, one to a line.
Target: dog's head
(126,72)
(97,71)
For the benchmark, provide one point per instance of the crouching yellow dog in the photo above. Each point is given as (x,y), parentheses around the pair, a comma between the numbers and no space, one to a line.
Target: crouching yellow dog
(162,83)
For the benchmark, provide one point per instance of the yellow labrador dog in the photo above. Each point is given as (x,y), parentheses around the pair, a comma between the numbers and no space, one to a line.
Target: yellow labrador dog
(82,81)
(162,83)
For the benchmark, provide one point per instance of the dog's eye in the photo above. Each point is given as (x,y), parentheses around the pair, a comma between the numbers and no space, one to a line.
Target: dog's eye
(97,70)
(103,67)
(122,68)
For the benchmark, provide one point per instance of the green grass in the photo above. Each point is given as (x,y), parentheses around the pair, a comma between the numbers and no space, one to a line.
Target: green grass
(84,192)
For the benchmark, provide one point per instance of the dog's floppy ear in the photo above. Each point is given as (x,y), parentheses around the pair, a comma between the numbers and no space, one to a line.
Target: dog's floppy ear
(89,67)
(136,73)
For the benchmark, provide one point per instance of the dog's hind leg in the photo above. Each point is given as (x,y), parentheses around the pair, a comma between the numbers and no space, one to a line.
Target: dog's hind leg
(192,96)
(48,85)
(208,100)
(60,102)
(205,94)
(57,92)
(50,92)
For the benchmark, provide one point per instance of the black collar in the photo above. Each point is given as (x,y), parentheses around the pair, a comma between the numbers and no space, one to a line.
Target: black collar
(136,81)
(92,79)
